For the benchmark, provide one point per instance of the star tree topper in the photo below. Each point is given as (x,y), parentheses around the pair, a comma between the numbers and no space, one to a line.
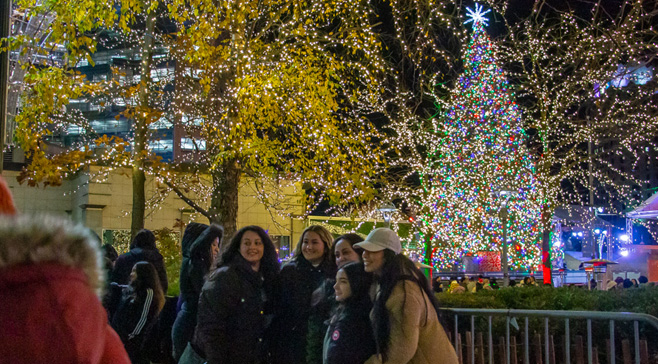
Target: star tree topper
(477,16)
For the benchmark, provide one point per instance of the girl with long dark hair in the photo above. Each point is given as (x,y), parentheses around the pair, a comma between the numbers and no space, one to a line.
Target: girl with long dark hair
(311,265)
(141,302)
(405,312)
(201,255)
(323,299)
(349,338)
(235,303)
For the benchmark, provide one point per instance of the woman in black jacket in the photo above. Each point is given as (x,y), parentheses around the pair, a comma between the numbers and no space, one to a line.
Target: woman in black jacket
(234,307)
(196,264)
(349,338)
(138,309)
(311,265)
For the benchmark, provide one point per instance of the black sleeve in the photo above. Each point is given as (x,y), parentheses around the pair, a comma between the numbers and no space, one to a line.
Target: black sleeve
(162,274)
(112,298)
(121,272)
(287,293)
(219,299)
(197,276)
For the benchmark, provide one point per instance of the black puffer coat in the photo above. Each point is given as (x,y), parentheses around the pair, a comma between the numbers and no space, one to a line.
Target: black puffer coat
(349,338)
(233,315)
(298,280)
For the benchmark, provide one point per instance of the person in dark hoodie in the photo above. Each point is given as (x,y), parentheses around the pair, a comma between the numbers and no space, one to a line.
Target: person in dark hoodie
(142,249)
(235,305)
(349,338)
(196,264)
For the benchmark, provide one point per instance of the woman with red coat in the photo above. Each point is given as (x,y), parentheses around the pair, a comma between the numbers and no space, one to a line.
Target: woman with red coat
(50,278)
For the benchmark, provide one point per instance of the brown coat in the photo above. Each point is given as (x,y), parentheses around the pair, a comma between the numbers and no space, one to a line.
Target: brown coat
(416,337)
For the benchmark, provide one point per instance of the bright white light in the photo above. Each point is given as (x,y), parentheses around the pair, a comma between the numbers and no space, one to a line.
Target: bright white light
(624,237)
(580,234)
(574,234)
(600,209)
(477,16)
(605,232)
(623,252)
(597,231)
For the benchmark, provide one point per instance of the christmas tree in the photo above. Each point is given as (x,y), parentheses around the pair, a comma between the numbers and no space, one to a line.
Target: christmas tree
(480,151)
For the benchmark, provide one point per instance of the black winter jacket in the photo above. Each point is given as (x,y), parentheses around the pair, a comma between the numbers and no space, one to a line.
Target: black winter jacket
(132,319)
(192,275)
(233,316)
(298,280)
(349,339)
(124,265)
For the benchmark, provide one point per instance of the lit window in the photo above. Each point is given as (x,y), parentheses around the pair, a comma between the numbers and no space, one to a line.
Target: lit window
(189,144)
(159,146)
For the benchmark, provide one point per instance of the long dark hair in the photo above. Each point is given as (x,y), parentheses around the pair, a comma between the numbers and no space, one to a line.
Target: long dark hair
(147,277)
(201,248)
(397,267)
(269,263)
(360,282)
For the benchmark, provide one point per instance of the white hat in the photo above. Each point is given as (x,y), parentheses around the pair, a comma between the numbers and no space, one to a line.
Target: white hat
(380,239)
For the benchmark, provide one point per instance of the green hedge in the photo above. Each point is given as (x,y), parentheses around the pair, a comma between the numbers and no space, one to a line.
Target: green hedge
(642,300)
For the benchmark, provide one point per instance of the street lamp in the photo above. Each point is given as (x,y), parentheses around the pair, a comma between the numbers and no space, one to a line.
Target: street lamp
(505,195)
(387,210)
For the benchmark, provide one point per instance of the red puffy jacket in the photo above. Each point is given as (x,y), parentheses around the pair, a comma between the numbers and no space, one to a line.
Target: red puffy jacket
(49,310)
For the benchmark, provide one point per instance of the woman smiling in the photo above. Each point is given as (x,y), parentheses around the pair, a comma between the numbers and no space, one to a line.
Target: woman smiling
(234,307)
(311,265)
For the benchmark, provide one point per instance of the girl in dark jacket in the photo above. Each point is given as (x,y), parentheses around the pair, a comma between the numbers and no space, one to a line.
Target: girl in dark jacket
(235,303)
(310,266)
(196,264)
(138,309)
(349,338)
(323,299)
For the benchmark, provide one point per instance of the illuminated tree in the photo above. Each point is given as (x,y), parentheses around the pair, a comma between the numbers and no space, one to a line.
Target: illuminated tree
(558,60)
(276,92)
(480,151)
(51,82)
(564,63)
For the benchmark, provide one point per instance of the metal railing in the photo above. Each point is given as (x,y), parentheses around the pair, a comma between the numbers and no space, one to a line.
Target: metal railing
(636,318)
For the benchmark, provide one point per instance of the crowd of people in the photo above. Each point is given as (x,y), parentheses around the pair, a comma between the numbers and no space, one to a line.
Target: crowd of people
(344,300)
(476,283)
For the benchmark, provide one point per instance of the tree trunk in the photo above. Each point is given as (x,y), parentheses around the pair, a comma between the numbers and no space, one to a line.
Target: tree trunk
(141,130)
(224,198)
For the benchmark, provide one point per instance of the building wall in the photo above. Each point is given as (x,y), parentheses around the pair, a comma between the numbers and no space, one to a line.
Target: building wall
(103,202)
(53,200)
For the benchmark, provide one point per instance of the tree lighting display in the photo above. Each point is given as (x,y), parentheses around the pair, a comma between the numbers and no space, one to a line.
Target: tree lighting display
(481,151)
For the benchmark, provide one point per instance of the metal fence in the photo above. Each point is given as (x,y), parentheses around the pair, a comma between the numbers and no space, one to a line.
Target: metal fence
(511,316)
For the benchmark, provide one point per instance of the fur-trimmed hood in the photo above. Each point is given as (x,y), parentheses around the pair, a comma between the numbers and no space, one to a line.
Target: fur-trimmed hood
(38,239)
(49,280)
